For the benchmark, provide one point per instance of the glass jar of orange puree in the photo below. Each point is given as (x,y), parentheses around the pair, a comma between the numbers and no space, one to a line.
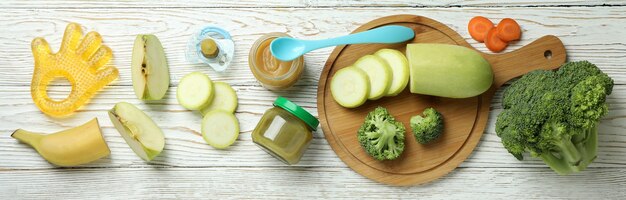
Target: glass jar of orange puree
(272,73)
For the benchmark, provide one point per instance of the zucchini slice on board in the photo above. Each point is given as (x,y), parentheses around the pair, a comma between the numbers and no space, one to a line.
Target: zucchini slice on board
(350,87)
(399,67)
(379,74)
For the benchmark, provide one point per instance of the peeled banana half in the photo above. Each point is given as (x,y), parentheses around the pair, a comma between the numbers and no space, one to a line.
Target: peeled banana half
(71,147)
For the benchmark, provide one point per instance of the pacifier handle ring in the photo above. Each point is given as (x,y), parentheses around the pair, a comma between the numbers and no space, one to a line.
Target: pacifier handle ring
(209,29)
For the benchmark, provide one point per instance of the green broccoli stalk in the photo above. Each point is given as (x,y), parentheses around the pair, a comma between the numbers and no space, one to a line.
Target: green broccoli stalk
(554,115)
(381,135)
(428,127)
(562,156)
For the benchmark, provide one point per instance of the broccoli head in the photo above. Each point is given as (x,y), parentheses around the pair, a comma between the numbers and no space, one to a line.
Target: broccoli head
(381,135)
(428,127)
(554,115)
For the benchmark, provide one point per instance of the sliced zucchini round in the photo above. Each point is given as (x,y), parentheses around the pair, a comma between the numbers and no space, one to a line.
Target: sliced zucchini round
(220,129)
(225,99)
(350,87)
(195,91)
(399,67)
(379,74)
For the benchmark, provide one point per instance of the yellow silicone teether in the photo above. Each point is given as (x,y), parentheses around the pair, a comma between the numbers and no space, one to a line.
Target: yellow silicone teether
(82,62)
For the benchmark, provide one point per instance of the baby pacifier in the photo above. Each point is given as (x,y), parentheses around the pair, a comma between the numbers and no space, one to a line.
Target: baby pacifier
(212,46)
(83,61)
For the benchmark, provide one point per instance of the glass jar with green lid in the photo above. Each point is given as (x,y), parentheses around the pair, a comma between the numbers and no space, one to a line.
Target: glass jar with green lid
(285,131)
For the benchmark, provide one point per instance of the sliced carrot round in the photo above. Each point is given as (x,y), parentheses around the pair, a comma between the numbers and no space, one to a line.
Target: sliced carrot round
(478,27)
(508,30)
(493,42)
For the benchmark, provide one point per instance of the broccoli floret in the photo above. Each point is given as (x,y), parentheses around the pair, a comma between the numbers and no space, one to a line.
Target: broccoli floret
(588,99)
(428,127)
(381,135)
(554,115)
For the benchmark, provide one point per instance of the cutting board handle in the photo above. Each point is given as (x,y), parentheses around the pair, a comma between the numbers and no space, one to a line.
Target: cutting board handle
(546,52)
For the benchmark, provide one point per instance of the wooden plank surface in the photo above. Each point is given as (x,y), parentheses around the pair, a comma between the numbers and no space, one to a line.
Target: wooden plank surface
(78,4)
(305,183)
(188,168)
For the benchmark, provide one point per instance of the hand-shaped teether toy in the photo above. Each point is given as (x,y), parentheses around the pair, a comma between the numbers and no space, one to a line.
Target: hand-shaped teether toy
(82,62)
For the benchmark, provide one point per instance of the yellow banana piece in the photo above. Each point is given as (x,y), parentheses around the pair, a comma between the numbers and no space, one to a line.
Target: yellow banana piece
(71,147)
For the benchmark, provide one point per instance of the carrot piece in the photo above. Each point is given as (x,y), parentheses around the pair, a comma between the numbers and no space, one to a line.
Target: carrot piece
(508,30)
(493,42)
(478,27)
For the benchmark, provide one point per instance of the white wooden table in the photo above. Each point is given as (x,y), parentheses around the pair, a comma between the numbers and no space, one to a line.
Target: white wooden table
(189,168)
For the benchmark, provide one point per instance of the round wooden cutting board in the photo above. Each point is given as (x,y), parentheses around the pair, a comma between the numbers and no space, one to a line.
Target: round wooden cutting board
(465,119)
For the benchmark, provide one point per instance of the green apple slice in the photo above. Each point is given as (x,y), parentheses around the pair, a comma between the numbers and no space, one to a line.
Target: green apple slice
(350,87)
(379,74)
(149,68)
(225,99)
(220,129)
(143,136)
(195,91)
(399,67)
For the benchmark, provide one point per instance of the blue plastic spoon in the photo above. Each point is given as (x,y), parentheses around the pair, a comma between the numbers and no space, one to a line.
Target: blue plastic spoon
(286,48)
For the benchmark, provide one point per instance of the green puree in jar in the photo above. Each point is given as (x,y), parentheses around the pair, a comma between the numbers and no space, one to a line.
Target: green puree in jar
(285,131)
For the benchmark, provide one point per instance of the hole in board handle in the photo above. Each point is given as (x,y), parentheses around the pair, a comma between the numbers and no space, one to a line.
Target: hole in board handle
(547,54)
